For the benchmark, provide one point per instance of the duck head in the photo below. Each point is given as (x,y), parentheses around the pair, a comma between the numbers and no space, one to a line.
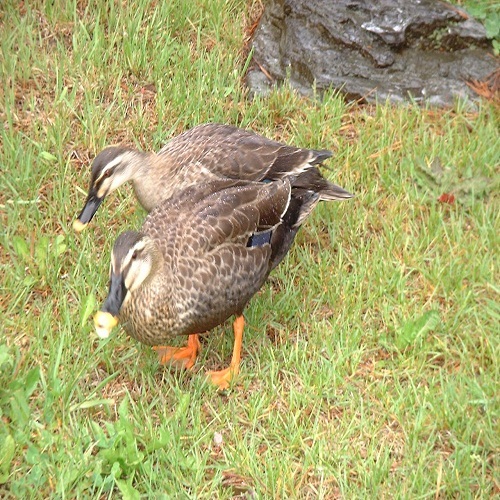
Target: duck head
(133,260)
(110,169)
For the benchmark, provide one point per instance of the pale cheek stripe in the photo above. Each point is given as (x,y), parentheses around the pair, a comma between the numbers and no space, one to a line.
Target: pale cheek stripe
(109,166)
(101,192)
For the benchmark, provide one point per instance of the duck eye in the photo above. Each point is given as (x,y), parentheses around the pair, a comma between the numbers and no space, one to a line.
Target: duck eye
(134,255)
(107,173)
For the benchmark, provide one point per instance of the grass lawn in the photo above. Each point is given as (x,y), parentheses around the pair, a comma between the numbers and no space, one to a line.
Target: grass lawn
(371,357)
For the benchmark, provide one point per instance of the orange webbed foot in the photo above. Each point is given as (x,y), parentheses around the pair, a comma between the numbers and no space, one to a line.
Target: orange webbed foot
(223,378)
(182,357)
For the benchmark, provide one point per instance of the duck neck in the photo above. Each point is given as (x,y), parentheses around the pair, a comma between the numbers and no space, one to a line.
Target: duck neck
(142,174)
(139,163)
(157,261)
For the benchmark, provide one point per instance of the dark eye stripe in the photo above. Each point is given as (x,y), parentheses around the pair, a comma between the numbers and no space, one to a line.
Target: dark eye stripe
(136,253)
(105,175)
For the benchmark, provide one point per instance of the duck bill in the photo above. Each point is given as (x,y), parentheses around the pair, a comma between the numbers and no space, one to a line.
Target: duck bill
(104,323)
(116,295)
(107,318)
(91,205)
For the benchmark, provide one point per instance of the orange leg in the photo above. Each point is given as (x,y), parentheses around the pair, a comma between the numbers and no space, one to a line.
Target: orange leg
(180,356)
(224,377)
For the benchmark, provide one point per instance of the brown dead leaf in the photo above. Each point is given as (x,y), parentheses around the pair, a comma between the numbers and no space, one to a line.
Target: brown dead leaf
(489,88)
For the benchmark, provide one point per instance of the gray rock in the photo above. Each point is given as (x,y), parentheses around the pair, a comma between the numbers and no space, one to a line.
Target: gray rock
(370,50)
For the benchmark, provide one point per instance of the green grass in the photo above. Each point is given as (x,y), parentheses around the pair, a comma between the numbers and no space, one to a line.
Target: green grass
(487,12)
(371,358)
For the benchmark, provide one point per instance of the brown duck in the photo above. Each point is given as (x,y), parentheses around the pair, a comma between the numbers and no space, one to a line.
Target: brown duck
(199,258)
(205,153)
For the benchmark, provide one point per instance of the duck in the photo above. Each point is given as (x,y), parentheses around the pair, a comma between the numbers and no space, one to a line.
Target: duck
(198,259)
(207,152)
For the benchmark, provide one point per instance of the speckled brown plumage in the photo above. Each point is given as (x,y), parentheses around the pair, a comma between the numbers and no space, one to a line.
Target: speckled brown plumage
(208,152)
(202,269)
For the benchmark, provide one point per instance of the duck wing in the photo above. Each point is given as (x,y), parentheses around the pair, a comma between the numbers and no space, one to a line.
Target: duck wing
(217,247)
(224,151)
